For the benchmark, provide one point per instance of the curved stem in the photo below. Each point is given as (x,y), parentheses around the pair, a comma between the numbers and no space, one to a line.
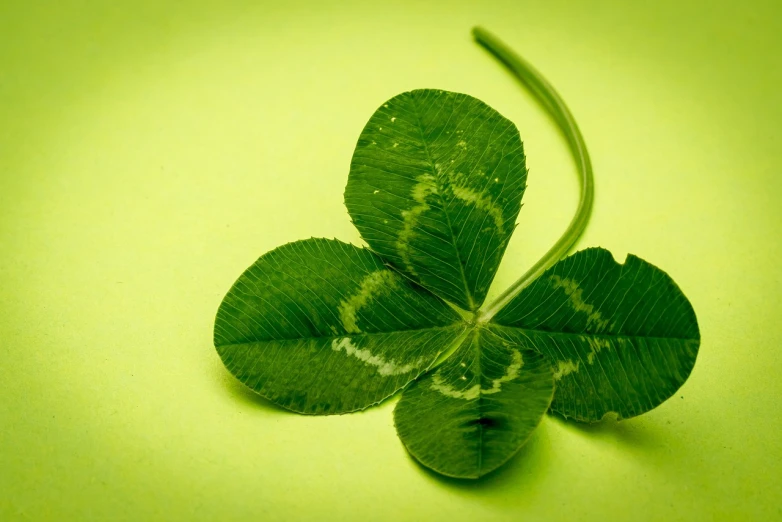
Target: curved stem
(547,96)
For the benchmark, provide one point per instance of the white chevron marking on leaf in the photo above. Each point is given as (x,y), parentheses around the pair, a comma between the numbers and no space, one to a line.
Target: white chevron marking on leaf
(421,190)
(473,392)
(565,368)
(384,367)
(370,287)
(571,288)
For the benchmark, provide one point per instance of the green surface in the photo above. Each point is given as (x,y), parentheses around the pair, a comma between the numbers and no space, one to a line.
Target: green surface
(149,153)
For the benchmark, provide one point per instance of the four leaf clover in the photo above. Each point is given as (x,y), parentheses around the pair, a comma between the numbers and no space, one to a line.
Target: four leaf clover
(323,327)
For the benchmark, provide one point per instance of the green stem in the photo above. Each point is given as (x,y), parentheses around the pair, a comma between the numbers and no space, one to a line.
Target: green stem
(547,96)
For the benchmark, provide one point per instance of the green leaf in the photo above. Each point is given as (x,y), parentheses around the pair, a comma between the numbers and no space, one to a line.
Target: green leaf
(622,338)
(475,411)
(435,186)
(320,326)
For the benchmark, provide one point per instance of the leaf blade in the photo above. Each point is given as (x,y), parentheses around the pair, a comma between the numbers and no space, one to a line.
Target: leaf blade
(475,411)
(424,201)
(622,337)
(320,326)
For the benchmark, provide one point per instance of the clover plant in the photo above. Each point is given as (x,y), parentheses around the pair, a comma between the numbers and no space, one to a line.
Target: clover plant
(324,327)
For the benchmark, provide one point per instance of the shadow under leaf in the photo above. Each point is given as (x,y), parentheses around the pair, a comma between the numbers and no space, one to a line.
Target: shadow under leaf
(636,433)
(521,470)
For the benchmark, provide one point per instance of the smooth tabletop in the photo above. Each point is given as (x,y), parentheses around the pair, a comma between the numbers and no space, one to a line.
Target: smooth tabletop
(150,151)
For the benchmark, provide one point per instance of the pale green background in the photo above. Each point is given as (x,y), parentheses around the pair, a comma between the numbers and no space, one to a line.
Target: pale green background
(150,151)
